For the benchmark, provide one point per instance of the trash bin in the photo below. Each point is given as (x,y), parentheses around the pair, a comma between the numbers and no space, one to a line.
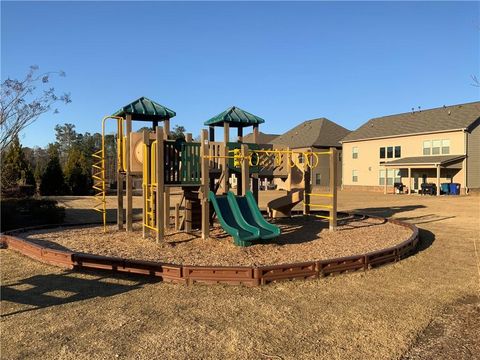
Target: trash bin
(445,188)
(429,188)
(455,189)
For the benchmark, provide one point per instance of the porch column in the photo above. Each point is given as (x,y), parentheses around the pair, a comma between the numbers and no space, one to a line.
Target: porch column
(409,181)
(385,183)
(393,181)
(438,179)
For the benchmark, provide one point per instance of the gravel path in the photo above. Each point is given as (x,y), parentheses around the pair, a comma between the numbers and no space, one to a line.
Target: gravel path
(302,239)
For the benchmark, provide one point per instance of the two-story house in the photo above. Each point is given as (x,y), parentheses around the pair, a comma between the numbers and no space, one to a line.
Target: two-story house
(428,146)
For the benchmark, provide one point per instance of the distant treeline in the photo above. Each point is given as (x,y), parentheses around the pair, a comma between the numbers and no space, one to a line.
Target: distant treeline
(62,168)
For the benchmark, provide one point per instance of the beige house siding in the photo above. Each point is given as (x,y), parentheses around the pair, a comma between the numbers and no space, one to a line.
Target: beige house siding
(473,158)
(367,164)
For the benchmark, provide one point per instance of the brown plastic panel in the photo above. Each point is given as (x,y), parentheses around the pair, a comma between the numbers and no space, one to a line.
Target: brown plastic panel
(266,274)
(381,257)
(98,262)
(238,275)
(341,265)
(235,275)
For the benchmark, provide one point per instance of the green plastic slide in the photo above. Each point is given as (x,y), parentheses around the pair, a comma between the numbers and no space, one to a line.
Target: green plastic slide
(248,208)
(232,221)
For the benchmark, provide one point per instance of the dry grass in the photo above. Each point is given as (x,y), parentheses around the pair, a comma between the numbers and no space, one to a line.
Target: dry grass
(374,315)
(302,239)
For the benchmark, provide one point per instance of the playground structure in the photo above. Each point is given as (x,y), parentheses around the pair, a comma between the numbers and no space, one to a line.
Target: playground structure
(202,171)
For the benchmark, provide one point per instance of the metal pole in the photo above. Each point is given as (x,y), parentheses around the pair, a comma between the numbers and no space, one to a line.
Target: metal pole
(333,188)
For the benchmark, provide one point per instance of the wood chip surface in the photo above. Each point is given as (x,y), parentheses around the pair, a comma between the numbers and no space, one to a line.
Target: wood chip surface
(302,239)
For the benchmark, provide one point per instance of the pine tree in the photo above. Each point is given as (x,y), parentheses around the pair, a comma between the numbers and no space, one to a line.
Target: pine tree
(52,181)
(77,175)
(16,171)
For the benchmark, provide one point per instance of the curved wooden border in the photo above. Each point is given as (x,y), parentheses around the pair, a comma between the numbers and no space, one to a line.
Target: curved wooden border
(232,275)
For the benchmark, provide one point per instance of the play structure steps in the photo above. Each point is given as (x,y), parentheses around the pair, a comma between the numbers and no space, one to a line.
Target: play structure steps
(233,219)
(193,196)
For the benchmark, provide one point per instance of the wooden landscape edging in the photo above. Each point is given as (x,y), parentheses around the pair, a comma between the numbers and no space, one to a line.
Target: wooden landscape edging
(231,275)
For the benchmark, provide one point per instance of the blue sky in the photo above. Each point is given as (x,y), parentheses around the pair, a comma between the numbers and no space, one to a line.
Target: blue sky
(286,62)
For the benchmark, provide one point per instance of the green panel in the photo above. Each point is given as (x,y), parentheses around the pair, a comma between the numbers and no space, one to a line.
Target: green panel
(236,145)
(191,164)
(236,117)
(171,162)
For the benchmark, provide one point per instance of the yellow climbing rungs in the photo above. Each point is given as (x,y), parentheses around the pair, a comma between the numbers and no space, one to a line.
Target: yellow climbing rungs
(323,217)
(320,194)
(99,185)
(321,206)
(150,227)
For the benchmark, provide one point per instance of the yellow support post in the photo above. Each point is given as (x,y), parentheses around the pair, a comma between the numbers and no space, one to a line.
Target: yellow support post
(333,189)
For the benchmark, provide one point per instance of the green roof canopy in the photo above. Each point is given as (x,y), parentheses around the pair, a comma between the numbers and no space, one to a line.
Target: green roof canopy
(235,117)
(145,109)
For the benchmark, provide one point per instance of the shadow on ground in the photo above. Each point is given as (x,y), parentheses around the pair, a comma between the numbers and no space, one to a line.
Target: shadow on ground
(311,226)
(78,216)
(42,291)
(387,211)
(426,239)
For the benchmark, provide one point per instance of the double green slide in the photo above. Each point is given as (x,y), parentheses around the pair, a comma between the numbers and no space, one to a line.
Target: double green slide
(241,218)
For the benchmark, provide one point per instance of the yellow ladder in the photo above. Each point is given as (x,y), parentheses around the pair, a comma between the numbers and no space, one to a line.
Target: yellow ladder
(99,185)
(150,186)
(99,172)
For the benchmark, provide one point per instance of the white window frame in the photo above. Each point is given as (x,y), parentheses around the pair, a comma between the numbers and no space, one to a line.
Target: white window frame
(428,147)
(381,177)
(384,152)
(354,176)
(394,151)
(355,152)
(445,146)
(393,176)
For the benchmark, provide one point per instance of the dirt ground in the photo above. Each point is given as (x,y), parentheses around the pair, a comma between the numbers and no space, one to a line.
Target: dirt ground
(302,239)
(424,307)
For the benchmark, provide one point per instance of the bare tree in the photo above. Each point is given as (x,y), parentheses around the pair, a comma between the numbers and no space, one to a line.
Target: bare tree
(475,80)
(23,101)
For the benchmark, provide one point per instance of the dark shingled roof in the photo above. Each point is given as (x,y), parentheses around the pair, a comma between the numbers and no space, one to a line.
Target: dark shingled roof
(423,160)
(318,132)
(235,117)
(262,138)
(439,119)
(145,109)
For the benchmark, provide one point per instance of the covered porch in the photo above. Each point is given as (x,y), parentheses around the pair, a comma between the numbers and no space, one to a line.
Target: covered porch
(419,170)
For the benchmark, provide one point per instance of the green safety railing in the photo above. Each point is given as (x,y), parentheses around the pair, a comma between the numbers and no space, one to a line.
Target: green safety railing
(182,163)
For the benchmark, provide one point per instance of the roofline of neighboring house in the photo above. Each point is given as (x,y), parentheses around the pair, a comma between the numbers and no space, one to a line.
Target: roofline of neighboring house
(311,146)
(403,135)
(446,107)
